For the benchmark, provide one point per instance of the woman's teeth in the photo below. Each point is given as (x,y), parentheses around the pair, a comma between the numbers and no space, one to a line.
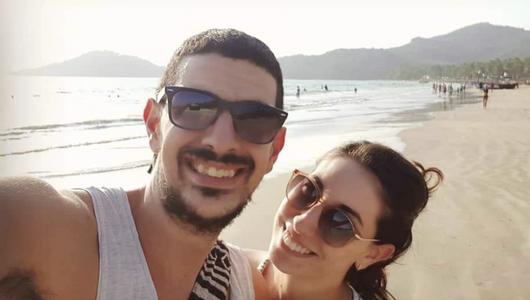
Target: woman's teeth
(292,245)
(215,172)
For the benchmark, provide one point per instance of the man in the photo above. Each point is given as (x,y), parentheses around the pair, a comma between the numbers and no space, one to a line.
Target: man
(212,147)
(485,96)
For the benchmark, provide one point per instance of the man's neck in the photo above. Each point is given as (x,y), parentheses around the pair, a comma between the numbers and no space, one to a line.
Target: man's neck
(174,252)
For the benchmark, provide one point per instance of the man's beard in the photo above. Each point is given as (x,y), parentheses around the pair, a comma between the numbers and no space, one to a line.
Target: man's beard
(177,207)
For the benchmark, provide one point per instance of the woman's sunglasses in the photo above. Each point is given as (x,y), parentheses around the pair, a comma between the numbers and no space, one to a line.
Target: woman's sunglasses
(335,226)
(193,109)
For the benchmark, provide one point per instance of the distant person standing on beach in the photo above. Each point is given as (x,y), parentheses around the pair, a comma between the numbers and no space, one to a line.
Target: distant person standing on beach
(297,91)
(326,87)
(355,90)
(485,97)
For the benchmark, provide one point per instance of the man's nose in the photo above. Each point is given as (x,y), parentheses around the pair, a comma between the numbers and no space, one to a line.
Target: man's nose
(306,223)
(221,136)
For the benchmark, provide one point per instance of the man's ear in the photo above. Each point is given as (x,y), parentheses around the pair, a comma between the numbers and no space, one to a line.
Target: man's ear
(151,116)
(277,146)
(375,254)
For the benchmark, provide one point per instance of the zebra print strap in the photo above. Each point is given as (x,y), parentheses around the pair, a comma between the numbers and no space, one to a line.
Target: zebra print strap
(213,281)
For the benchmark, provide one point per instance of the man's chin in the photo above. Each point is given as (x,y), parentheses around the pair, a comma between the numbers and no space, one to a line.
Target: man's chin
(211,192)
(206,220)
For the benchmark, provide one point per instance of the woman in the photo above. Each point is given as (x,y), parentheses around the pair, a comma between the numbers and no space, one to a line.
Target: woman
(340,226)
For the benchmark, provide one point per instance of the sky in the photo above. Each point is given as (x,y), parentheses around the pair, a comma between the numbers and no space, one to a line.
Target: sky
(39,32)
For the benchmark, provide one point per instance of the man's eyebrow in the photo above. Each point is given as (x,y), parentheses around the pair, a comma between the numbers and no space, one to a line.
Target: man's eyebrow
(352,212)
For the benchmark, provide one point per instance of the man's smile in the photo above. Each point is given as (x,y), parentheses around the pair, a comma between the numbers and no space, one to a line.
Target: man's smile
(213,171)
(214,174)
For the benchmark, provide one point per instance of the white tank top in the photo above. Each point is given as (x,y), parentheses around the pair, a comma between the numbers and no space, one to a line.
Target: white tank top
(123,270)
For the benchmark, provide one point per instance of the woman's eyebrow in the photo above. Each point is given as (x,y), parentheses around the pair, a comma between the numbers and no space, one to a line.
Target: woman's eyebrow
(352,212)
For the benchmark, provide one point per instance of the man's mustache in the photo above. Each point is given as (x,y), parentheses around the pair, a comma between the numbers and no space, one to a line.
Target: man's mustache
(207,154)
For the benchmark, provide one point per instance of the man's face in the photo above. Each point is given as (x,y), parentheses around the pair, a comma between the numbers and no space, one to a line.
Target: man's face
(208,176)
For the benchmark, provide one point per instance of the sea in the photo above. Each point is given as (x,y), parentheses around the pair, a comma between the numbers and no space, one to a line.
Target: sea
(88,131)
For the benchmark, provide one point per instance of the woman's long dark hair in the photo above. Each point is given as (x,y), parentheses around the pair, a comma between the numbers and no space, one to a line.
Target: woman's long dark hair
(407,187)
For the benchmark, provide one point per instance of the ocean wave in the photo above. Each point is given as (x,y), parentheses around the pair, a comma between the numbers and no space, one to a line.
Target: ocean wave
(12,133)
(309,104)
(71,146)
(13,139)
(88,125)
(84,123)
(126,166)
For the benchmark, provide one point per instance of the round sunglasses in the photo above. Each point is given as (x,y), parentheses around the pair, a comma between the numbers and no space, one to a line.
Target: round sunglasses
(194,109)
(335,226)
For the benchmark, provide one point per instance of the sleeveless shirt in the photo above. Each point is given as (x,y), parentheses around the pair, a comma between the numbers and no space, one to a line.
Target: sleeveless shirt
(123,269)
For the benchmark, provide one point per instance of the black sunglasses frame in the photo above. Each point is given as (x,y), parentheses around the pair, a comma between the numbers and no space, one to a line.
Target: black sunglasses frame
(222,105)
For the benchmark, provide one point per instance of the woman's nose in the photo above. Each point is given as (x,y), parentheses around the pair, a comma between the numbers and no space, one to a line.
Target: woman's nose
(306,223)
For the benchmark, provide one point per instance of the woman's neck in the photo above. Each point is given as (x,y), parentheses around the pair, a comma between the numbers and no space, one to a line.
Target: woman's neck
(288,287)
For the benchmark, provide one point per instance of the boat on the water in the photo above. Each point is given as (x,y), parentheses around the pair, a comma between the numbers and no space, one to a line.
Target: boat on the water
(505,83)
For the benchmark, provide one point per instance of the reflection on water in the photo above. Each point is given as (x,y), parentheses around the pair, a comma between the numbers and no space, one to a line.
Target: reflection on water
(454,101)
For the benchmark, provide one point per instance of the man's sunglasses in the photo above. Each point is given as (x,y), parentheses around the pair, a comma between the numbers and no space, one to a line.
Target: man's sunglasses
(193,109)
(335,226)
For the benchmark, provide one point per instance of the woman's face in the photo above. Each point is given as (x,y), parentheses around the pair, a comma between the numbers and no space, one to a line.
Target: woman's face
(297,247)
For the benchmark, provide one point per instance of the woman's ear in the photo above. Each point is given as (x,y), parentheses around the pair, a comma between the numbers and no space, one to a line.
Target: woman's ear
(151,117)
(375,254)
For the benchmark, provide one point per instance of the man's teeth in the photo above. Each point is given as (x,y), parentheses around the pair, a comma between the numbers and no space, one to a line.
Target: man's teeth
(214,172)
(292,245)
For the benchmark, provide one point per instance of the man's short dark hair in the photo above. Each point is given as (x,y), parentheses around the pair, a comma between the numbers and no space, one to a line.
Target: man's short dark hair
(229,43)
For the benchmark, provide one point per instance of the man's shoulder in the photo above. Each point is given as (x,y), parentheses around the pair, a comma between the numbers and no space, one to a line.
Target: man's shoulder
(38,222)
(34,198)
(255,257)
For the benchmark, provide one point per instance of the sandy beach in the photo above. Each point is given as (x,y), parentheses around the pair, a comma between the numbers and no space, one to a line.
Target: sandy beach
(472,242)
